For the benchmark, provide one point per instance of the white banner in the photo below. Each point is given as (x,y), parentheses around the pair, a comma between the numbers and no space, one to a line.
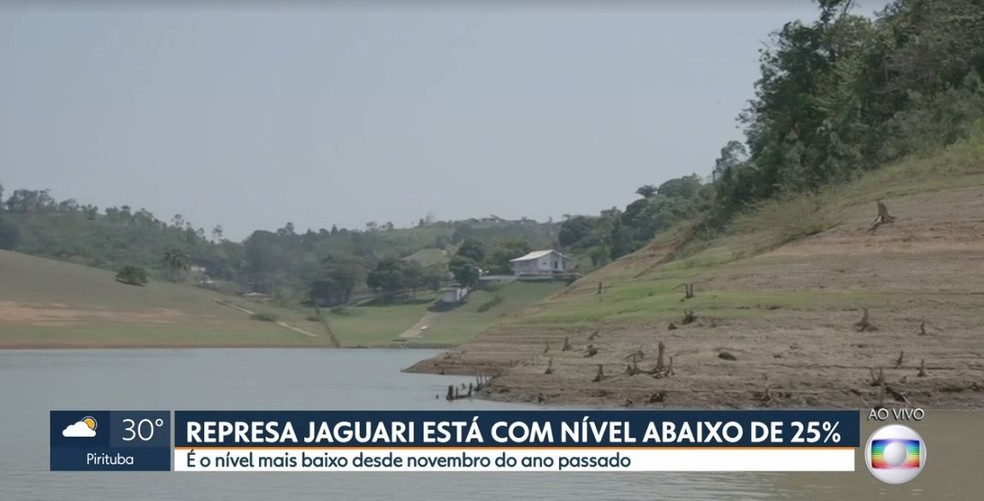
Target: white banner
(212,459)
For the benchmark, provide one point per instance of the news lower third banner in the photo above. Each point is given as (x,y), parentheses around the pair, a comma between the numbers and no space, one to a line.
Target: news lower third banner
(346,441)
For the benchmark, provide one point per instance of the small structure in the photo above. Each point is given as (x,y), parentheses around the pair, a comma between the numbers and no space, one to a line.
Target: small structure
(542,263)
(453,295)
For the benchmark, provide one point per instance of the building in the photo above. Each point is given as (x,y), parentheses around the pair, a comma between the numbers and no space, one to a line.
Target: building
(543,263)
(453,295)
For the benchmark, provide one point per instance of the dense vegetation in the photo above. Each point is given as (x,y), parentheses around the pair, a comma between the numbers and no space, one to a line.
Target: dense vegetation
(848,93)
(836,98)
(327,266)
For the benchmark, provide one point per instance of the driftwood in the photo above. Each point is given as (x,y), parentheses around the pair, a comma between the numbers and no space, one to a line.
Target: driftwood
(724,355)
(864,325)
(591,351)
(882,218)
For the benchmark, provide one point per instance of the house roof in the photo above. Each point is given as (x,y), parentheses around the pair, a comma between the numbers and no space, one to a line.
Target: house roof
(535,255)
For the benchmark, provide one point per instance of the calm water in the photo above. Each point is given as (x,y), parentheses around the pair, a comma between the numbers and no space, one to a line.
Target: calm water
(33,382)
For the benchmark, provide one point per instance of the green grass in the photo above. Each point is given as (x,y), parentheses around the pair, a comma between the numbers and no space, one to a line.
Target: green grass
(465,322)
(70,304)
(428,257)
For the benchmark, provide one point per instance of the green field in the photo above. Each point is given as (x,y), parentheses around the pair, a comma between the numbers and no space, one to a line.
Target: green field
(48,303)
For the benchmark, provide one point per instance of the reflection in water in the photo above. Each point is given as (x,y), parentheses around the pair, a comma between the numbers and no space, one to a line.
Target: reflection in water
(34,382)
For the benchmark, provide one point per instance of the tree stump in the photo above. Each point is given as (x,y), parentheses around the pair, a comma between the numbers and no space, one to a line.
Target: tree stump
(922,369)
(922,328)
(898,361)
(549,367)
(594,335)
(671,327)
(546,349)
(591,351)
(864,325)
(601,373)
(878,380)
(882,218)
(567,344)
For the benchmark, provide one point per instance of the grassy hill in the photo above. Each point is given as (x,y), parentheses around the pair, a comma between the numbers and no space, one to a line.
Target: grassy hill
(779,293)
(49,303)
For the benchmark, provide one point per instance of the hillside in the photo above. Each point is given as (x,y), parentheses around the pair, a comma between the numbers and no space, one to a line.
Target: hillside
(776,301)
(48,303)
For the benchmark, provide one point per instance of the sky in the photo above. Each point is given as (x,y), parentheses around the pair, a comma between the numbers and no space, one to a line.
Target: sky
(251,117)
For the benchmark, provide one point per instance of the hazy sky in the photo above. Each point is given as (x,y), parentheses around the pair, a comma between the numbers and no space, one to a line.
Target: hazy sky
(250,118)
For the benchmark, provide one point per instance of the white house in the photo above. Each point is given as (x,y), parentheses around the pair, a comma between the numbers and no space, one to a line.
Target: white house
(542,262)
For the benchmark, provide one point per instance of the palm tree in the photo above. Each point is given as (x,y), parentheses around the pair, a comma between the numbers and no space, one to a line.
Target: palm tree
(175,261)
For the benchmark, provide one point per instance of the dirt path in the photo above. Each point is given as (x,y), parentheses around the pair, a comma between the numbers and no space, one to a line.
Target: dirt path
(285,325)
(417,330)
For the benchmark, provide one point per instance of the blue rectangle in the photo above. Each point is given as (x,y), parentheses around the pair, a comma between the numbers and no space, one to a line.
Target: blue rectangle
(794,428)
(110,440)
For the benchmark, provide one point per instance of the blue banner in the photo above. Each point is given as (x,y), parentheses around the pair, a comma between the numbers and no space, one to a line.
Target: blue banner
(110,440)
(496,429)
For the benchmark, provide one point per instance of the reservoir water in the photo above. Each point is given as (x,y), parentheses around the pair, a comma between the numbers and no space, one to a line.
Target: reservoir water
(34,382)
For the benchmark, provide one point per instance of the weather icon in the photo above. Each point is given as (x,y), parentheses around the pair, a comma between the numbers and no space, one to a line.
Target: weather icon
(83,428)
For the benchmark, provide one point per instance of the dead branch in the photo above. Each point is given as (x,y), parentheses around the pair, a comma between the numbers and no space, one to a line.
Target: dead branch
(593,335)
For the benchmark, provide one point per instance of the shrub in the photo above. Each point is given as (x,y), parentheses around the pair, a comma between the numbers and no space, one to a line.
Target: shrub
(132,275)
(491,303)
(264,317)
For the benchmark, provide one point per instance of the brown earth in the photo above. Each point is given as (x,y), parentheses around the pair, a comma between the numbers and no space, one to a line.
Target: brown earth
(793,341)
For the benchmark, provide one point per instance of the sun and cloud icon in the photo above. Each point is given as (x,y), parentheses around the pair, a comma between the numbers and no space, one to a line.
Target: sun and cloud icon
(83,428)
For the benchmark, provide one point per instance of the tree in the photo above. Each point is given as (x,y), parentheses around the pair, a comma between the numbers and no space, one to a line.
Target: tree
(465,271)
(507,250)
(434,277)
(574,231)
(472,249)
(132,275)
(681,187)
(10,234)
(647,191)
(175,263)
(1,197)
(413,276)
(340,277)
(217,232)
(388,277)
